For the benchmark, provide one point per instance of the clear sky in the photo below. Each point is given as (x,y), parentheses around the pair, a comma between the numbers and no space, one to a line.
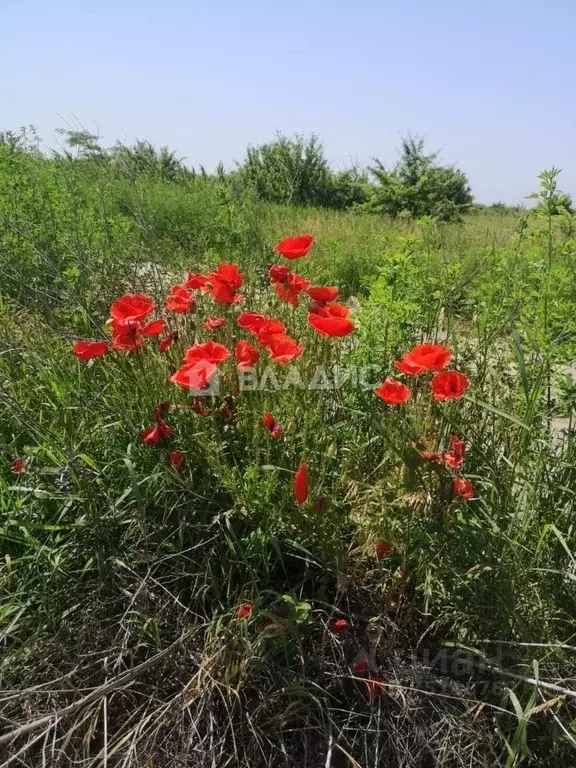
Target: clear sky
(491,83)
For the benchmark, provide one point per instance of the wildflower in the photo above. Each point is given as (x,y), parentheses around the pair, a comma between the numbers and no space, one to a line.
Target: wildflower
(167,341)
(301,483)
(463,488)
(86,350)
(251,321)
(180,301)
(246,355)
(408,368)
(125,335)
(449,385)
(211,352)
(427,357)
(194,375)
(270,423)
(194,281)
(176,459)
(153,435)
(270,328)
(132,306)
(222,284)
(227,410)
(244,611)
(212,323)
(153,328)
(199,408)
(339,625)
(323,293)
(392,392)
(295,247)
(289,292)
(374,687)
(454,458)
(383,549)
(279,273)
(282,349)
(18,466)
(331,320)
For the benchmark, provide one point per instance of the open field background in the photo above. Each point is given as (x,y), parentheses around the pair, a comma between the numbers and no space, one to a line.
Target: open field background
(120,577)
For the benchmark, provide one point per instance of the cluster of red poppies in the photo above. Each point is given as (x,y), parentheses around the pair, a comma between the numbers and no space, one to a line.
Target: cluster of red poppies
(446,385)
(130,323)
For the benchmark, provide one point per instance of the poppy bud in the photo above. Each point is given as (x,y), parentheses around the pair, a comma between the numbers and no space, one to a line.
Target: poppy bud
(332,450)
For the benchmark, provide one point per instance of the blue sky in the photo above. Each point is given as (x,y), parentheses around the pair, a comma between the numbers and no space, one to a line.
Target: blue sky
(490,84)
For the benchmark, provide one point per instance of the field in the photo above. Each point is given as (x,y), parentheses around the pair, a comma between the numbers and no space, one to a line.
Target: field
(191,598)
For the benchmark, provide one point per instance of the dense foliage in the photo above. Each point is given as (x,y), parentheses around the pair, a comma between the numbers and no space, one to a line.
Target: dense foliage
(369,553)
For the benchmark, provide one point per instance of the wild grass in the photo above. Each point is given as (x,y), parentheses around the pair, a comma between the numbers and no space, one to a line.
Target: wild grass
(121,576)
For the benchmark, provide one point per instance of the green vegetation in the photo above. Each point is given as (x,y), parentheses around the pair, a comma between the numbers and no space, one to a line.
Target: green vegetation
(122,574)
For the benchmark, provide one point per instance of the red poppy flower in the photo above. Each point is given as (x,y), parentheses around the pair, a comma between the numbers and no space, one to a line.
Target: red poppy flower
(199,408)
(301,483)
(167,341)
(408,368)
(244,611)
(287,294)
(132,306)
(230,274)
(316,307)
(211,351)
(392,392)
(323,293)
(331,320)
(222,284)
(194,375)
(295,247)
(339,625)
(251,321)
(454,458)
(383,549)
(270,328)
(153,435)
(194,282)
(282,349)
(463,488)
(86,350)
(18,466)
(271,424)
(374,687)
(449,385)
(154,328)
(176,459)
(180,301)
(360,667)
(279,273)
(227,410)
(212,323)
(125,336)
(430,357)
(246,355)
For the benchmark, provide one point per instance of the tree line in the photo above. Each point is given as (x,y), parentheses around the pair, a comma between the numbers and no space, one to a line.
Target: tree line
(293,170)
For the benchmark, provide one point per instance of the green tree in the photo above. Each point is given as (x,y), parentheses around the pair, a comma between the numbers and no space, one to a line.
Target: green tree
(294,171)
(419,185)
